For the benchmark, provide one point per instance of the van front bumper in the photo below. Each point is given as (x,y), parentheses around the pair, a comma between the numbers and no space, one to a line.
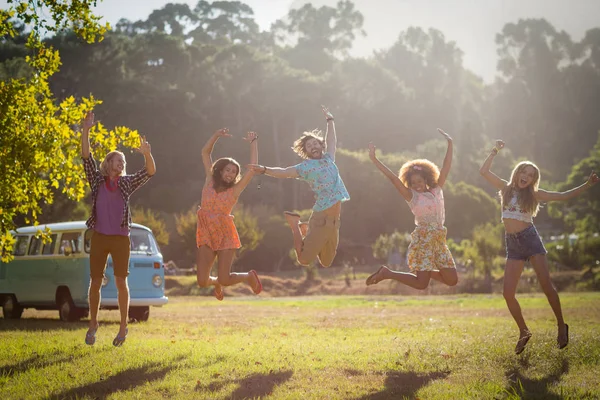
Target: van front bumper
(135,302)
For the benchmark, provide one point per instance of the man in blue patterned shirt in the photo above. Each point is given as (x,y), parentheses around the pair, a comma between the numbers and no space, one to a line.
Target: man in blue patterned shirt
(319,170)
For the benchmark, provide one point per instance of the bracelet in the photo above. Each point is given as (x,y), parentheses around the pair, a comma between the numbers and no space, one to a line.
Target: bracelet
(495,151)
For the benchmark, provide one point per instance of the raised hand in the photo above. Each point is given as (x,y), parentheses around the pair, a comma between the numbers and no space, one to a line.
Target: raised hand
(144,146)
(372,149)
(88,121)
(327,113)
(499,144)
(251,137)
(448,138)
(593,179)
(259,169)
(223,132)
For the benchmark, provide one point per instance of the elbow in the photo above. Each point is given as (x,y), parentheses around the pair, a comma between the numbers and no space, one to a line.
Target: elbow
(482,171)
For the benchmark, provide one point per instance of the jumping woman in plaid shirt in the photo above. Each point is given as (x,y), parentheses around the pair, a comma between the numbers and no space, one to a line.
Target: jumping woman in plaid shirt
(110,221)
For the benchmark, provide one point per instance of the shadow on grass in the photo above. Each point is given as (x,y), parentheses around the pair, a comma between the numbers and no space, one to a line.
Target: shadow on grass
(123,381)
(39,361)
(45,324)
(535,388)
(404,384)
(252,386)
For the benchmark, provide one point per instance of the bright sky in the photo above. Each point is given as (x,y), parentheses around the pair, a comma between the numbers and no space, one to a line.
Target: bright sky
(472,24)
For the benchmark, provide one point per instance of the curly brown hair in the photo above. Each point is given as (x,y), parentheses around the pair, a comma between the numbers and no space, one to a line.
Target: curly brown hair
(299,145)
(425,168)
(218,183)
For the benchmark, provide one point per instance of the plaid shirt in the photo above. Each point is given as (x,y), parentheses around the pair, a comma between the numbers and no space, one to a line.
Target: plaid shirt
(127,185)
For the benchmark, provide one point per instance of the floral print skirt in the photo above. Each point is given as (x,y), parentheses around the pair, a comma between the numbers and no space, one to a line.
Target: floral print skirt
(428,250)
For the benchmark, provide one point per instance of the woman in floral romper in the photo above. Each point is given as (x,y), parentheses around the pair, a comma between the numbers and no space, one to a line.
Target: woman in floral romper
(216,234)
(420,182)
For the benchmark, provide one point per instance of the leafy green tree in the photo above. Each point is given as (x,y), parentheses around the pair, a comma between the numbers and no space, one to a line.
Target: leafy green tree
(152,220)
(386,243)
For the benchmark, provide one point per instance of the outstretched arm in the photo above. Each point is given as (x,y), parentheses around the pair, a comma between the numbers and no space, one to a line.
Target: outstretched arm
(252,138)
(330,136)
(208,148)
(489,176)
(543,195)
(447,160)
(87,123)
(275,172)
(146,150)
(403,190)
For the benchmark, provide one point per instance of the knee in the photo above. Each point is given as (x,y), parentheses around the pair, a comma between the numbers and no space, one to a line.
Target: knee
(95,284)
(121,283)
(452,281)
(509,295)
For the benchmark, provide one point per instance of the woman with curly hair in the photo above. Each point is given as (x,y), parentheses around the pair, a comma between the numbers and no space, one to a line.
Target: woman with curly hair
(520,198)
(420,182)
(216,234)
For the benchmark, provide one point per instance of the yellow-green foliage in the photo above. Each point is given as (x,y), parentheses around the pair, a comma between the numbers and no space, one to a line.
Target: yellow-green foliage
(38,147)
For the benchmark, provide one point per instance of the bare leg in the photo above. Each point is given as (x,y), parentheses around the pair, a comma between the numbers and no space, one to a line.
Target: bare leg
(419,281)
(294,221)
(447,276)
(512,274)
(540,266)
(226,277)
(123,299)
(94,299)
(205,259)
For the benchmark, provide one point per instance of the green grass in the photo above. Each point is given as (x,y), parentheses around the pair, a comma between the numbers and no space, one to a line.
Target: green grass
(360,347)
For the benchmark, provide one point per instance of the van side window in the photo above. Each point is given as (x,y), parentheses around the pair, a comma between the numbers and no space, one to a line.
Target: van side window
(35,246)
(21,245)
(49,247)
(70,242)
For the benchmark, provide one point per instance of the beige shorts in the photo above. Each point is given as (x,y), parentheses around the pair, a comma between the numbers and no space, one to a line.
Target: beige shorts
(321,239)
(101,246)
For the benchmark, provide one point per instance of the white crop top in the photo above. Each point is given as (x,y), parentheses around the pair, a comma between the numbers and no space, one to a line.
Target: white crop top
(513,210)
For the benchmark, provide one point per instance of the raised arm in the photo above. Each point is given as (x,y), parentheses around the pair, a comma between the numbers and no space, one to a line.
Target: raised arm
(275,172)
(489,176)
(252,138)
(330,136)
(403,190)
(87,123)
(447,160)
(543,195)
(146,151)
(208,148)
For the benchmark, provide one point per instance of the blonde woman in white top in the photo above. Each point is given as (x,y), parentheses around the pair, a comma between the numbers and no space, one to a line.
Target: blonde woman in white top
(520,200)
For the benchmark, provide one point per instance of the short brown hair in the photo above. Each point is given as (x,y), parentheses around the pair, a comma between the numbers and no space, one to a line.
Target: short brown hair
(299,145)
(428,170)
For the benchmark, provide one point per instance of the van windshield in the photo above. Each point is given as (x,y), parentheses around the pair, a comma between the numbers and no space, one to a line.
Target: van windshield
(142,242)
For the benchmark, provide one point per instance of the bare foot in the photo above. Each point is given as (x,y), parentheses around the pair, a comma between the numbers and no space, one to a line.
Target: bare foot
(219,294)
(378,276)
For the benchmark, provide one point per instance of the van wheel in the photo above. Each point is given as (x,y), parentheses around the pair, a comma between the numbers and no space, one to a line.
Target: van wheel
(11,309)
(66,308)
(139,314)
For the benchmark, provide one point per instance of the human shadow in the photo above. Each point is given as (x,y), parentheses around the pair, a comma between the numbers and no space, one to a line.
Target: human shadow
(252,386)
(535,388)
(122,381)
(45,324)
(38,361)
(404,384)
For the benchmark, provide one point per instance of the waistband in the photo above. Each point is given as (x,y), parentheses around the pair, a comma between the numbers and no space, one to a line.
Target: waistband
(431,227)
(201,210)
(521,233)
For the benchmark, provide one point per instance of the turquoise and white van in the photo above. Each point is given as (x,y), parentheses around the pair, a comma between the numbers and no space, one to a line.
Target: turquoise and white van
(56,275)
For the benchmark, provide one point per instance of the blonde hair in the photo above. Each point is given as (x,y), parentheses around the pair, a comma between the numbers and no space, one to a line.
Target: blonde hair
(525,197)
(425,168)
(299,145)
(104,165)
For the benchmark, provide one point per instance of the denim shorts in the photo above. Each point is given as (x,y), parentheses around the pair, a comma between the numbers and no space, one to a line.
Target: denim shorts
(523,245)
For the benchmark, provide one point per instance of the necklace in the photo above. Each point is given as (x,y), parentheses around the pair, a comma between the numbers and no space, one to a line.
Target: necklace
(110,185)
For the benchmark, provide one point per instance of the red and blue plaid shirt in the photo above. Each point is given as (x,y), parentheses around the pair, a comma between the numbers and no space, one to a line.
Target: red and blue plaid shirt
(127,185)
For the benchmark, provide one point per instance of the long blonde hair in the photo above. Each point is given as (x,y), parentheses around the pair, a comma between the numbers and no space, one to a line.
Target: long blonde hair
(104,165)
(525,197)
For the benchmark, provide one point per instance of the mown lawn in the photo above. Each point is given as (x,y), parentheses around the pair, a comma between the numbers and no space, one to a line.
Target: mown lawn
(341,347)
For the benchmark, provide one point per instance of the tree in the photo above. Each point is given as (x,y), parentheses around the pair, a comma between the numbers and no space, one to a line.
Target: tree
(38,149)
(152,220)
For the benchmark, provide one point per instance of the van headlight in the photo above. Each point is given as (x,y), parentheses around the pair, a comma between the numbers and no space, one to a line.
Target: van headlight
(157,280)
(105,280)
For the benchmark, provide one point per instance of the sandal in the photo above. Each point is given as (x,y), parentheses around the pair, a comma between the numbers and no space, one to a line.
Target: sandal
(522,342)
(259,289)
(563,345)
(219,293)
(90,336)
(119,340)
(372,279)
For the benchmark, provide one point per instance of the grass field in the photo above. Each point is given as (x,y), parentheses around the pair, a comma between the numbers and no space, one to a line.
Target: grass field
(339,347)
